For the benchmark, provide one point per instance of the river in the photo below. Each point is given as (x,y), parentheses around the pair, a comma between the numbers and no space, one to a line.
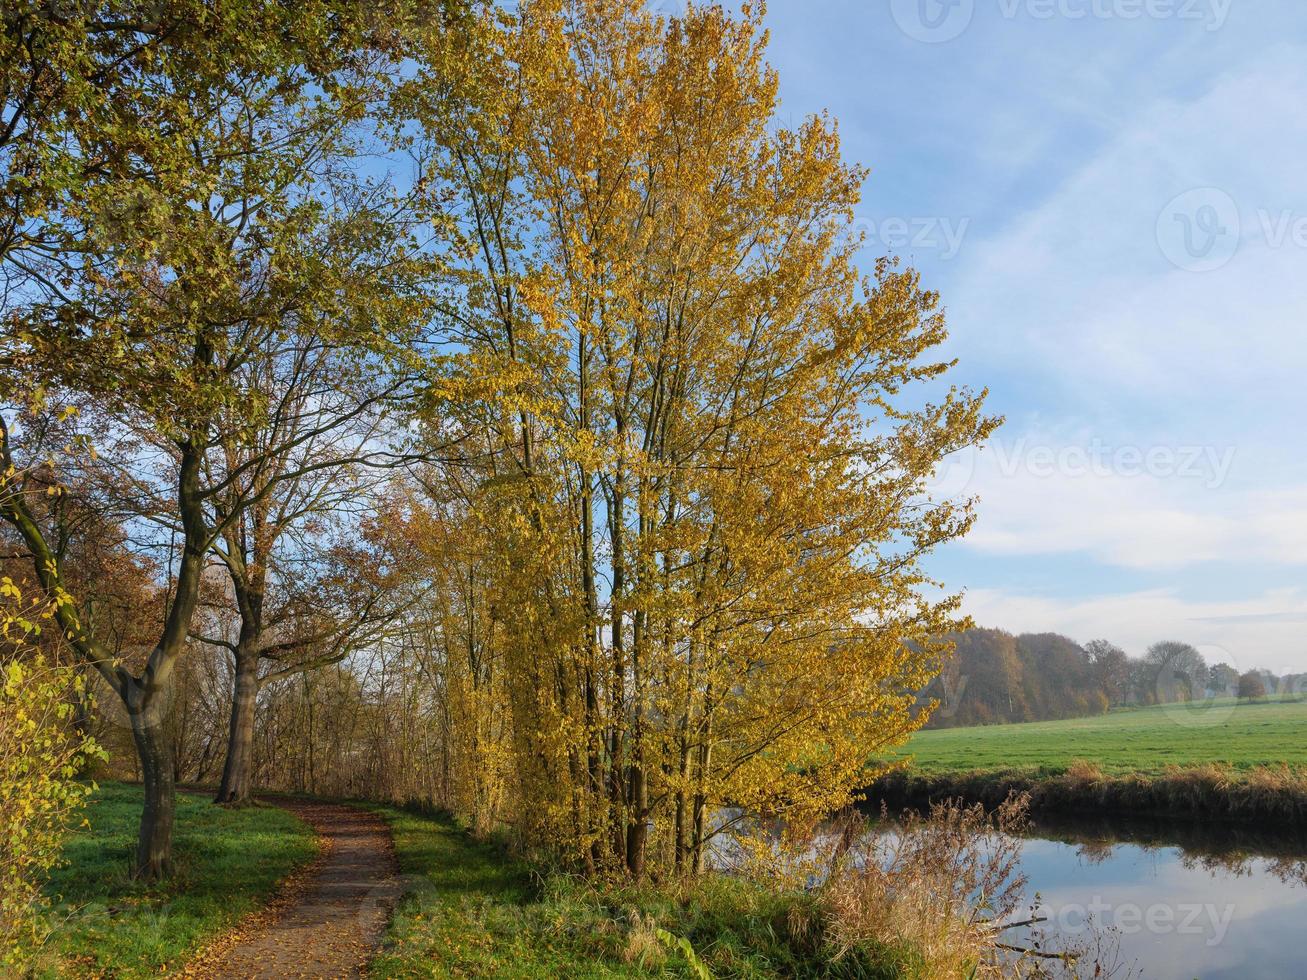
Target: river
(1158,900)
(1177,901)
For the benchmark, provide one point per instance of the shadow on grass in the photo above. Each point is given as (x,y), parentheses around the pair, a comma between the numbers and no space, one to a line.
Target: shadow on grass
(227,863)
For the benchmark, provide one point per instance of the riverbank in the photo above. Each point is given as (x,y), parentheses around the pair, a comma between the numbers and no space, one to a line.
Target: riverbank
(472,908)
(1256,796)
(1215,759)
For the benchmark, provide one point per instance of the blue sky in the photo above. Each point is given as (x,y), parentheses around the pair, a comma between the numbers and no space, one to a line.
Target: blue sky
(1111,196)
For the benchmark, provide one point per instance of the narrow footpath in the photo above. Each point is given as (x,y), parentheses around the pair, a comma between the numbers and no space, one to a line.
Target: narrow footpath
(329,920)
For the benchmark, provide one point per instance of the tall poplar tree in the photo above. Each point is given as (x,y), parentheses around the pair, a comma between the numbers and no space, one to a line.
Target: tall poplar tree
(707,432)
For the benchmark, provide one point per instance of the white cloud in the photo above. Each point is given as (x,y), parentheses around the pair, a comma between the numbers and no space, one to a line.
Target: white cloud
(1099,340)
(1078,290)
(1161,506)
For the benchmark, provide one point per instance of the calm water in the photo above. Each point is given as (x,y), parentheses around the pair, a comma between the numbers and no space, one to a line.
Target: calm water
(1179,903)
(1163,900)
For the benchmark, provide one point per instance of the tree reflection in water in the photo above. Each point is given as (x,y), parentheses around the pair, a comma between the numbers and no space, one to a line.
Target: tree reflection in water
(1214,847)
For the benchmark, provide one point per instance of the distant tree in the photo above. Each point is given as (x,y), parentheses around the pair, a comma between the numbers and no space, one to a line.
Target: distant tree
(1058,676)
(1223,679)
(1251,686)
(995,677)
(1293,684)
(1143,687)
(1177,672)
(1111,669)
(981,683)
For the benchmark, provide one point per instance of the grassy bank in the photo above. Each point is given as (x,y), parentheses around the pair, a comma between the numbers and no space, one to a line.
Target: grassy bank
(1132,740)
(1216,759)
(1209,792)
(470,909)
(228,863)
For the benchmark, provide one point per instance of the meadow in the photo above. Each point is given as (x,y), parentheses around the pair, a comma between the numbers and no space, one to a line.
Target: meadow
(1144,741)
(228,862)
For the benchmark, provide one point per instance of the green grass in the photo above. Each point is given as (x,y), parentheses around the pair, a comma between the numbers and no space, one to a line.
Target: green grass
(228,863)
(1137,740)
(471,910)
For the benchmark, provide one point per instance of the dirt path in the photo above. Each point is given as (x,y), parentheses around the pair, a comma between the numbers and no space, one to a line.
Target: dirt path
(329,920)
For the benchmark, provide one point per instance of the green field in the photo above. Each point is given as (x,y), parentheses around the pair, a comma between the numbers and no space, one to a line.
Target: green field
(228,863)
(1134,740)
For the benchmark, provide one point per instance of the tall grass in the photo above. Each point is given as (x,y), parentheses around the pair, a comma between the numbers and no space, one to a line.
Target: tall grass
(940,885)
(927,901)
(927,896)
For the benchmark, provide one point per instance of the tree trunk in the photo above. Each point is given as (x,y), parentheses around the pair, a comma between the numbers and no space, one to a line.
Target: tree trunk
(235,786)
(637,831)
(154,845)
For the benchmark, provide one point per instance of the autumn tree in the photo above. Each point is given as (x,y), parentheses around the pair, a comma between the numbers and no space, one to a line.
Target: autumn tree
(981,682)
(1176,672)
(1251,686)
(1059,676)
(701,489)
(42,753)
(1223,679)
(296,488)
(1111,669)
(193,209)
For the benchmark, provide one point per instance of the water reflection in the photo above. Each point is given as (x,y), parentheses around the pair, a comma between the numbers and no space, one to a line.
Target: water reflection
(1168,900)
(1229,849)
(1177,914)
(1182,900)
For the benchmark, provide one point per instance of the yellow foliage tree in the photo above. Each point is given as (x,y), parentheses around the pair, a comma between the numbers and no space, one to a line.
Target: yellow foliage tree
(42,753)
(703,448)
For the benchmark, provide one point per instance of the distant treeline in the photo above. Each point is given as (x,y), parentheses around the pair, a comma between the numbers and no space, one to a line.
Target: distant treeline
(995,677)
